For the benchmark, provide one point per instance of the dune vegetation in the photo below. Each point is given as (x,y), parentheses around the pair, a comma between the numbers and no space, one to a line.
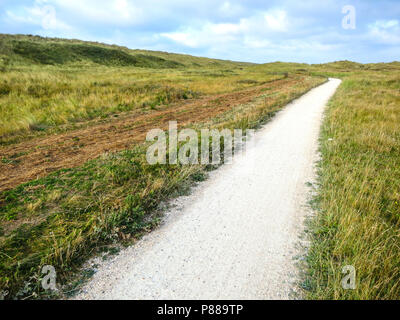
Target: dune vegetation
(75,182)
(64,120)
(358,201)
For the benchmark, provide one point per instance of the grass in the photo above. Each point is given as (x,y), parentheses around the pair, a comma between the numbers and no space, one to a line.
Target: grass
(51,82)
(358,202)
(38,100)
(54,53)
(63,218)
(68,215)
(51,85)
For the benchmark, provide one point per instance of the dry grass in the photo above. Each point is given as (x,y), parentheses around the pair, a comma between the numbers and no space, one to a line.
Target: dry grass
(65,216)
(359,194)
(62,218)
(37,100)
(38,157)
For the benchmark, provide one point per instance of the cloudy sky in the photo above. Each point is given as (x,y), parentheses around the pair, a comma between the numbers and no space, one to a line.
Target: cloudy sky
(311,31)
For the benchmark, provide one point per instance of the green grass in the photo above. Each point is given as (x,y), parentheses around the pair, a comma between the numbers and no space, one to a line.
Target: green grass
(66,216)
(69,53)
(28,50)
(45,83)
(50,85)
(75,210)
(358,202)
(34,98)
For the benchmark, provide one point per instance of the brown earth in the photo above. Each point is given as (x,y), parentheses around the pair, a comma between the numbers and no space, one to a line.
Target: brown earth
(38,157)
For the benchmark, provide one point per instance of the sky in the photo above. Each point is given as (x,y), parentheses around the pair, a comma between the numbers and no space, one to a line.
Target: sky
(310,31)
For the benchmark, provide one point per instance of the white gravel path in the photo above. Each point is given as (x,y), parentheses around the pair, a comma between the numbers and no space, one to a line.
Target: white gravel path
(235,236)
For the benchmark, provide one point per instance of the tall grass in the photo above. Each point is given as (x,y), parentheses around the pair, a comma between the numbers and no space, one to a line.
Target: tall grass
(358,202)
(42,98)
(62,218)
(47,82)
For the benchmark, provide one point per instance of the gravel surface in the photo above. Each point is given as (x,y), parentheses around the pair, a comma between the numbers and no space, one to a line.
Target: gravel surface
(236,236)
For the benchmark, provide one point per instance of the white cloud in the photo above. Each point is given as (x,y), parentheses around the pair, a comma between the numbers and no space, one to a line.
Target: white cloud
(225,28)
(185,38)
(385,31)
(277,20)
(234,29)
(229,9)
(255,29)
(44,16)
(254,43)
(386,24)
(115,12)
(274,20)
(253,36)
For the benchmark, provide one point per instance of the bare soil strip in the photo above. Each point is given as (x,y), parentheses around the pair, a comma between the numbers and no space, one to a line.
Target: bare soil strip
(38,157)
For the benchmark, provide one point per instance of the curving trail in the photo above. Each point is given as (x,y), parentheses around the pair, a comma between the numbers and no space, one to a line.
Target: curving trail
(235,236)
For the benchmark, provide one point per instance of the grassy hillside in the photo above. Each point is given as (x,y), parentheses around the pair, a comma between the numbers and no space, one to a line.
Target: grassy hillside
(39,51)
(28,50)
(45,83)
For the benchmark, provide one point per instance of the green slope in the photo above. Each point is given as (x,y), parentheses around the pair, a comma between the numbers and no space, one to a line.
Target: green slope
(28,50)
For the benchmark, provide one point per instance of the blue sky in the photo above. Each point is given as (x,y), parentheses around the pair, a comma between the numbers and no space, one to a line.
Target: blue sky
(257,31)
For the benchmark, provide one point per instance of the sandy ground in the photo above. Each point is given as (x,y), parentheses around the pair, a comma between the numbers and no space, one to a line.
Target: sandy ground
(236,236)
